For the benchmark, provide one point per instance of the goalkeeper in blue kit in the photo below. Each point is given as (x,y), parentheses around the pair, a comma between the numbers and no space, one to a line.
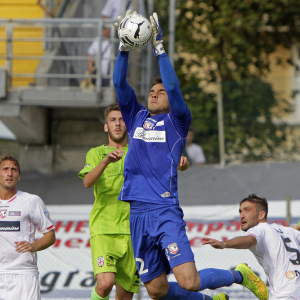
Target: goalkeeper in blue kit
(157,138)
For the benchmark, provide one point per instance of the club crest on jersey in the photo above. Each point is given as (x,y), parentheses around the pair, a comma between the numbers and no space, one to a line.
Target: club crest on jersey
(166,194)
(3,213)
(292,274)
(173,248)
(148,125)
(100,261)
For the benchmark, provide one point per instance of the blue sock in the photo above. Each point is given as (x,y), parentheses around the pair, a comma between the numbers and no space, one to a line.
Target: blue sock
(175,292)
(216,278)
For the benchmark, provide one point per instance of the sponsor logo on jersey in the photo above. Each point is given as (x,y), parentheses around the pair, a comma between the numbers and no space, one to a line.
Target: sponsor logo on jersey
(173,248)
(148,125)
(87,166)
(292,274)
(160,123)
(3,213)
(9,225)
(100,261)
(110,261)
(166,194)
(14,213)
(149,135)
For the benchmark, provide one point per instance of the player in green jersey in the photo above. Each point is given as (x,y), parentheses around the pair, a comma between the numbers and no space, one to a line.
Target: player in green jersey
(112,254)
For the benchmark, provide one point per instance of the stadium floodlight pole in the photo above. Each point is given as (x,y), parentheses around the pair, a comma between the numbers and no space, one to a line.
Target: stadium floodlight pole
(123,7)
(288,210)
(98,61)
(9,52)
(221,122)
(172,7)
(134,57)
(149,61)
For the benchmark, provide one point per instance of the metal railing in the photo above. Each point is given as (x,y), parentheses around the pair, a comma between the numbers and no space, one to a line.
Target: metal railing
(64,62)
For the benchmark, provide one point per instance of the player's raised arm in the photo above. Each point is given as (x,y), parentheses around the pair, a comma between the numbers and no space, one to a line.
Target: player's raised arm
(91,178)
(168,75)
(123,89)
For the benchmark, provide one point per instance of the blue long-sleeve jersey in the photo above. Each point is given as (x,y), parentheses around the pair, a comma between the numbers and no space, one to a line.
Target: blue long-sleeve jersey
(155,142)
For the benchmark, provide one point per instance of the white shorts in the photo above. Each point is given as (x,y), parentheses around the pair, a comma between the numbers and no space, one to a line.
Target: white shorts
(19,287)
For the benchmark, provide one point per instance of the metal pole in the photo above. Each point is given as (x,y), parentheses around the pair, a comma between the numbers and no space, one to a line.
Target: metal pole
(149,60)
(135,6)
(123,8)
(9,52)
(288,210)
(221,123)
(98,61)
(172,6)
(134,57)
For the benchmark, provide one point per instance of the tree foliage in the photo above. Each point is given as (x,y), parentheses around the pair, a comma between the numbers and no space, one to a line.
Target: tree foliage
(250,133)
(232,39)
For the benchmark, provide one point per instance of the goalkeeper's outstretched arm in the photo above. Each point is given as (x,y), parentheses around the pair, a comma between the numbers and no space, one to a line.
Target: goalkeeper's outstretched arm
(123,89)
(168,75)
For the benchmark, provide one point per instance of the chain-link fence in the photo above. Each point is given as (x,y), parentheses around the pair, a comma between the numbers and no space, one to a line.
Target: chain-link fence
(66,268)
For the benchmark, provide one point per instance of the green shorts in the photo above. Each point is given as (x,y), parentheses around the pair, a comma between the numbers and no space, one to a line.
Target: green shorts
(113,253)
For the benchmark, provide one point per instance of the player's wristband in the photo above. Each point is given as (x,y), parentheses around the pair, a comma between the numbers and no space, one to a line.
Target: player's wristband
(122,47)
(158,49)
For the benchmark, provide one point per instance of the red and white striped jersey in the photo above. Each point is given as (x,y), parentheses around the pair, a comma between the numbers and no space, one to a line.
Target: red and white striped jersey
(19,218)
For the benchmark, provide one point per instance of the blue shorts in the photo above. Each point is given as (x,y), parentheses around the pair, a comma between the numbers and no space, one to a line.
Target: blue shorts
(159,239)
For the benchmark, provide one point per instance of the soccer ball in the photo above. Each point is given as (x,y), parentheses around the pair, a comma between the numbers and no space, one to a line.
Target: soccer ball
(135,31)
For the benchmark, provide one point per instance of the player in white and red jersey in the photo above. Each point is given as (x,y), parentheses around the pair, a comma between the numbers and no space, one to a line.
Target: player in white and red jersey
(276,248)
(20,214)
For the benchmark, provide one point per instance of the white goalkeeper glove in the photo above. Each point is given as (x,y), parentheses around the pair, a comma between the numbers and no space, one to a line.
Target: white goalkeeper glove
(123,47)
(157,36)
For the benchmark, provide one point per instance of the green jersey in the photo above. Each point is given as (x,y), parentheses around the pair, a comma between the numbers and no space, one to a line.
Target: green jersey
(109,215)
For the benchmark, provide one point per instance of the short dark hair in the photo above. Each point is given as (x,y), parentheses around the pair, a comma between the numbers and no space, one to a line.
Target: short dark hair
(7,156)
(112,107)
(262,203)
(156,80)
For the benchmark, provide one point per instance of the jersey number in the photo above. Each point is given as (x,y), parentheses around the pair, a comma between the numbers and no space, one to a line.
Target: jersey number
(293,261)
(142,270)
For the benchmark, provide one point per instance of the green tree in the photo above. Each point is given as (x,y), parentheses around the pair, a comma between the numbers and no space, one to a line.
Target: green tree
(232,39)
